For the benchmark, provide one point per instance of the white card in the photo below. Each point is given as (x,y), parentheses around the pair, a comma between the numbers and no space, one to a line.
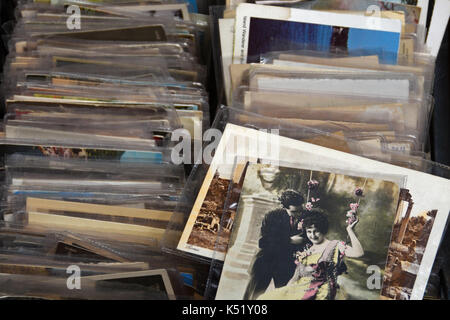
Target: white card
(261,29)
(226,28)
(429,193)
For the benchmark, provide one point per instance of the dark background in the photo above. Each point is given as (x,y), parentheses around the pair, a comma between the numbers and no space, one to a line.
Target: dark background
(439,130)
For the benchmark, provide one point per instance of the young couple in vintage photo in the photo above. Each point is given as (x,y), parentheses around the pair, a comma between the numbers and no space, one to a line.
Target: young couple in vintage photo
(296,260)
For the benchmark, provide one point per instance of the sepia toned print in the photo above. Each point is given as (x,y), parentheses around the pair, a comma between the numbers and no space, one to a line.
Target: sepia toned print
(409,240)
(210,233)
(206,227)
(308,235)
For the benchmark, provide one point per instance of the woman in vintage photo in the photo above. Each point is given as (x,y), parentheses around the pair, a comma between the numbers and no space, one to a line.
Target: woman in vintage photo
(319,265)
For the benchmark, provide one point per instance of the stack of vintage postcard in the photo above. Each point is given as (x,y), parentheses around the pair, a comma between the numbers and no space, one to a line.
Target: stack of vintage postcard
(280,218)
(321,186)
(97,95)
(360,69)
(316,183)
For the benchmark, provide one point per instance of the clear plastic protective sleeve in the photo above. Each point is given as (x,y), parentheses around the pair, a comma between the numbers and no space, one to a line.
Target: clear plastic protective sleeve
(378,86)
(150,188)
(394,286)
(178,239)
(407,85)
(420,63)
(240,263)
(216,14)
(155,67)
(41,170)
(98,192)
(196,29)
(123,234)
(50,24)
(174,73)
(157,124)
(394,121)
(285,81)
(93,149)
(39,269)
(176,47)
(412,15)
(108,269)
(412,51)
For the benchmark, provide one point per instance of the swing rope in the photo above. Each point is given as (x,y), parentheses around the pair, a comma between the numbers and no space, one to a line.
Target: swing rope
(310,178)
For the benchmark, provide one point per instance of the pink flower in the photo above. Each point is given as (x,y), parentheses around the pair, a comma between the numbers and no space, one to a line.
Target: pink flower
(300,255)
(308,206)
(350,214)
(354,206)
(351,220)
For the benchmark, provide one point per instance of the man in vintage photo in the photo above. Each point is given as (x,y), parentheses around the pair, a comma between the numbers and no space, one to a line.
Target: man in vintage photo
(280,239)
(339,40)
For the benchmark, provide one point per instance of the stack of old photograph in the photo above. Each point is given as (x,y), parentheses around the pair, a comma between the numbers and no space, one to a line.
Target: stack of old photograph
(321,186)
(314,181)
(359,69)
(97,94)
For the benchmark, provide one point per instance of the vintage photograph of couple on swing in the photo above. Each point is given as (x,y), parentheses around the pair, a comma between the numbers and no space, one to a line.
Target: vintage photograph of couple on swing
(309,235)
